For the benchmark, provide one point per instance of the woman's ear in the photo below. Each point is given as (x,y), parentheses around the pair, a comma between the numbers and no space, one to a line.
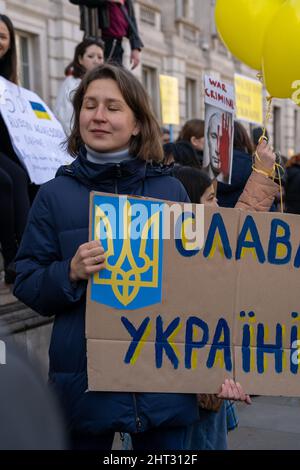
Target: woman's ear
(193,141)
(136,130)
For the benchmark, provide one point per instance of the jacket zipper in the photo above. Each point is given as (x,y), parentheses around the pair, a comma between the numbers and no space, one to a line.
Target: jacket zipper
(138,422)
(116,179)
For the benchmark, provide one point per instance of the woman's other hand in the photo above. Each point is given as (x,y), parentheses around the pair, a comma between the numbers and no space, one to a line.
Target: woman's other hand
(89,259)
(231,390)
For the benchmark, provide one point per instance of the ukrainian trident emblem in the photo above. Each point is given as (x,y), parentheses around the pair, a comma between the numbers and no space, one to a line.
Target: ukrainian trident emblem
(131,233)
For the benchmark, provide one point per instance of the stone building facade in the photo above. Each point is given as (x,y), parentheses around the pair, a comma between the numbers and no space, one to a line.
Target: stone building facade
(180,39)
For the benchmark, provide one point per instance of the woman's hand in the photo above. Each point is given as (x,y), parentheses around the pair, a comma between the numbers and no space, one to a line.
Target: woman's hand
(232,390)
(267,157)
(89,259)
(135,58)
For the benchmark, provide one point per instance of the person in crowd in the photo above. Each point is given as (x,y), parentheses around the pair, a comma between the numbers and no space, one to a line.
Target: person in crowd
(26,403)
(117,141)
(243,149)
(292,185)
(165,135)
(14,197)
(87,55)
(116,19)
(257,133)
(210,432)
(180,153)
(193,132)
(198,185)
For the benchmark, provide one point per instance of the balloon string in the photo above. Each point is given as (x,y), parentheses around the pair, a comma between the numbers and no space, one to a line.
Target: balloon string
(268,113)
(268,116)
(277,168)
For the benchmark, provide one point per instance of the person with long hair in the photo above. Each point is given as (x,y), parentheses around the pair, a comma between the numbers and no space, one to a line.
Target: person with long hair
(14,197)
(88,54)
(116,19)
(116,140)
(198,185)
(180,153)
(193,132)
(8,56)
(292,185)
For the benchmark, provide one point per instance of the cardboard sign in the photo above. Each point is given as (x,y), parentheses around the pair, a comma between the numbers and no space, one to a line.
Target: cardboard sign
(249,95)
(35,133)
(219,118)
(169,316)
(169,97)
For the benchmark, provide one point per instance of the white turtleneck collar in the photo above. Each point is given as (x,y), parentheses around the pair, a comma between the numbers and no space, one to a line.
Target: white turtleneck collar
(103,158)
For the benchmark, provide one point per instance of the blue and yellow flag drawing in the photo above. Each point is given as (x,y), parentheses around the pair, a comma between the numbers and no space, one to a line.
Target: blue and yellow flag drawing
(133,244)
(39,110)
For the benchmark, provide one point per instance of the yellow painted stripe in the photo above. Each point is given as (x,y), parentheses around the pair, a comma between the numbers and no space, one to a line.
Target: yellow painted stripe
(141,344)
(42,115)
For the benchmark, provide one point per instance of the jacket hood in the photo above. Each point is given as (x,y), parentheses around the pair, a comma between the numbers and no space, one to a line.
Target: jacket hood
(93,175)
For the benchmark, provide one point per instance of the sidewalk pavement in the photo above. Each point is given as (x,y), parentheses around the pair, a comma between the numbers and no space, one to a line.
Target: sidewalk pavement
(270,423)
(6,296)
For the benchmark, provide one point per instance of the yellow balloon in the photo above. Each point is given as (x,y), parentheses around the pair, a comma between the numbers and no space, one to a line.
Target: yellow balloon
(242,25)
(281,53)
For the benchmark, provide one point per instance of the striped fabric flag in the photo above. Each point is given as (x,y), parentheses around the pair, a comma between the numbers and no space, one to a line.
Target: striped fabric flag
(39,110)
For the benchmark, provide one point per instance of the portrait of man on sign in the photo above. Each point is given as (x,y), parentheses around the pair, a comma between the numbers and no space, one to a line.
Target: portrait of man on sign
(218,144)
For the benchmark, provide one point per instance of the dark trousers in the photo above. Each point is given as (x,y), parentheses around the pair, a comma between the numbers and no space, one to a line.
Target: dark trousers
(14,206)
(113,50)
(158,439)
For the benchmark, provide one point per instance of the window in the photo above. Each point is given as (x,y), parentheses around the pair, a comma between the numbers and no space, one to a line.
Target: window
(277,127)
(183,8)
(150,82)
(24,44)
(296,131)
(213,26)
(147,16)
(191,98)
(186,8)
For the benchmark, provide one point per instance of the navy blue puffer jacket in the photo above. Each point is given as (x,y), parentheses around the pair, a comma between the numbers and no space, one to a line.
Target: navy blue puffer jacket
(58,224)
(229,194)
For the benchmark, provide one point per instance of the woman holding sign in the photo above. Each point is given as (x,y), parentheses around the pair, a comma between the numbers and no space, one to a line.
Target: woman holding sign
(14,199)
(117,142)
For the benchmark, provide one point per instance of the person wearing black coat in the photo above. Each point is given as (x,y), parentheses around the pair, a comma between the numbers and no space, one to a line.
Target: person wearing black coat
(292,185)
(118,151)
(14,180)
(229,194)
(116,19)
(117,142)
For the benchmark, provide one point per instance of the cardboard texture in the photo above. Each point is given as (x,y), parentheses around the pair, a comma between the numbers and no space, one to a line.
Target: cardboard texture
(229,310)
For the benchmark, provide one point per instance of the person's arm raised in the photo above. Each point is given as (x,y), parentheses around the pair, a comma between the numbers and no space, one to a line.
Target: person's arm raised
(260,189)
